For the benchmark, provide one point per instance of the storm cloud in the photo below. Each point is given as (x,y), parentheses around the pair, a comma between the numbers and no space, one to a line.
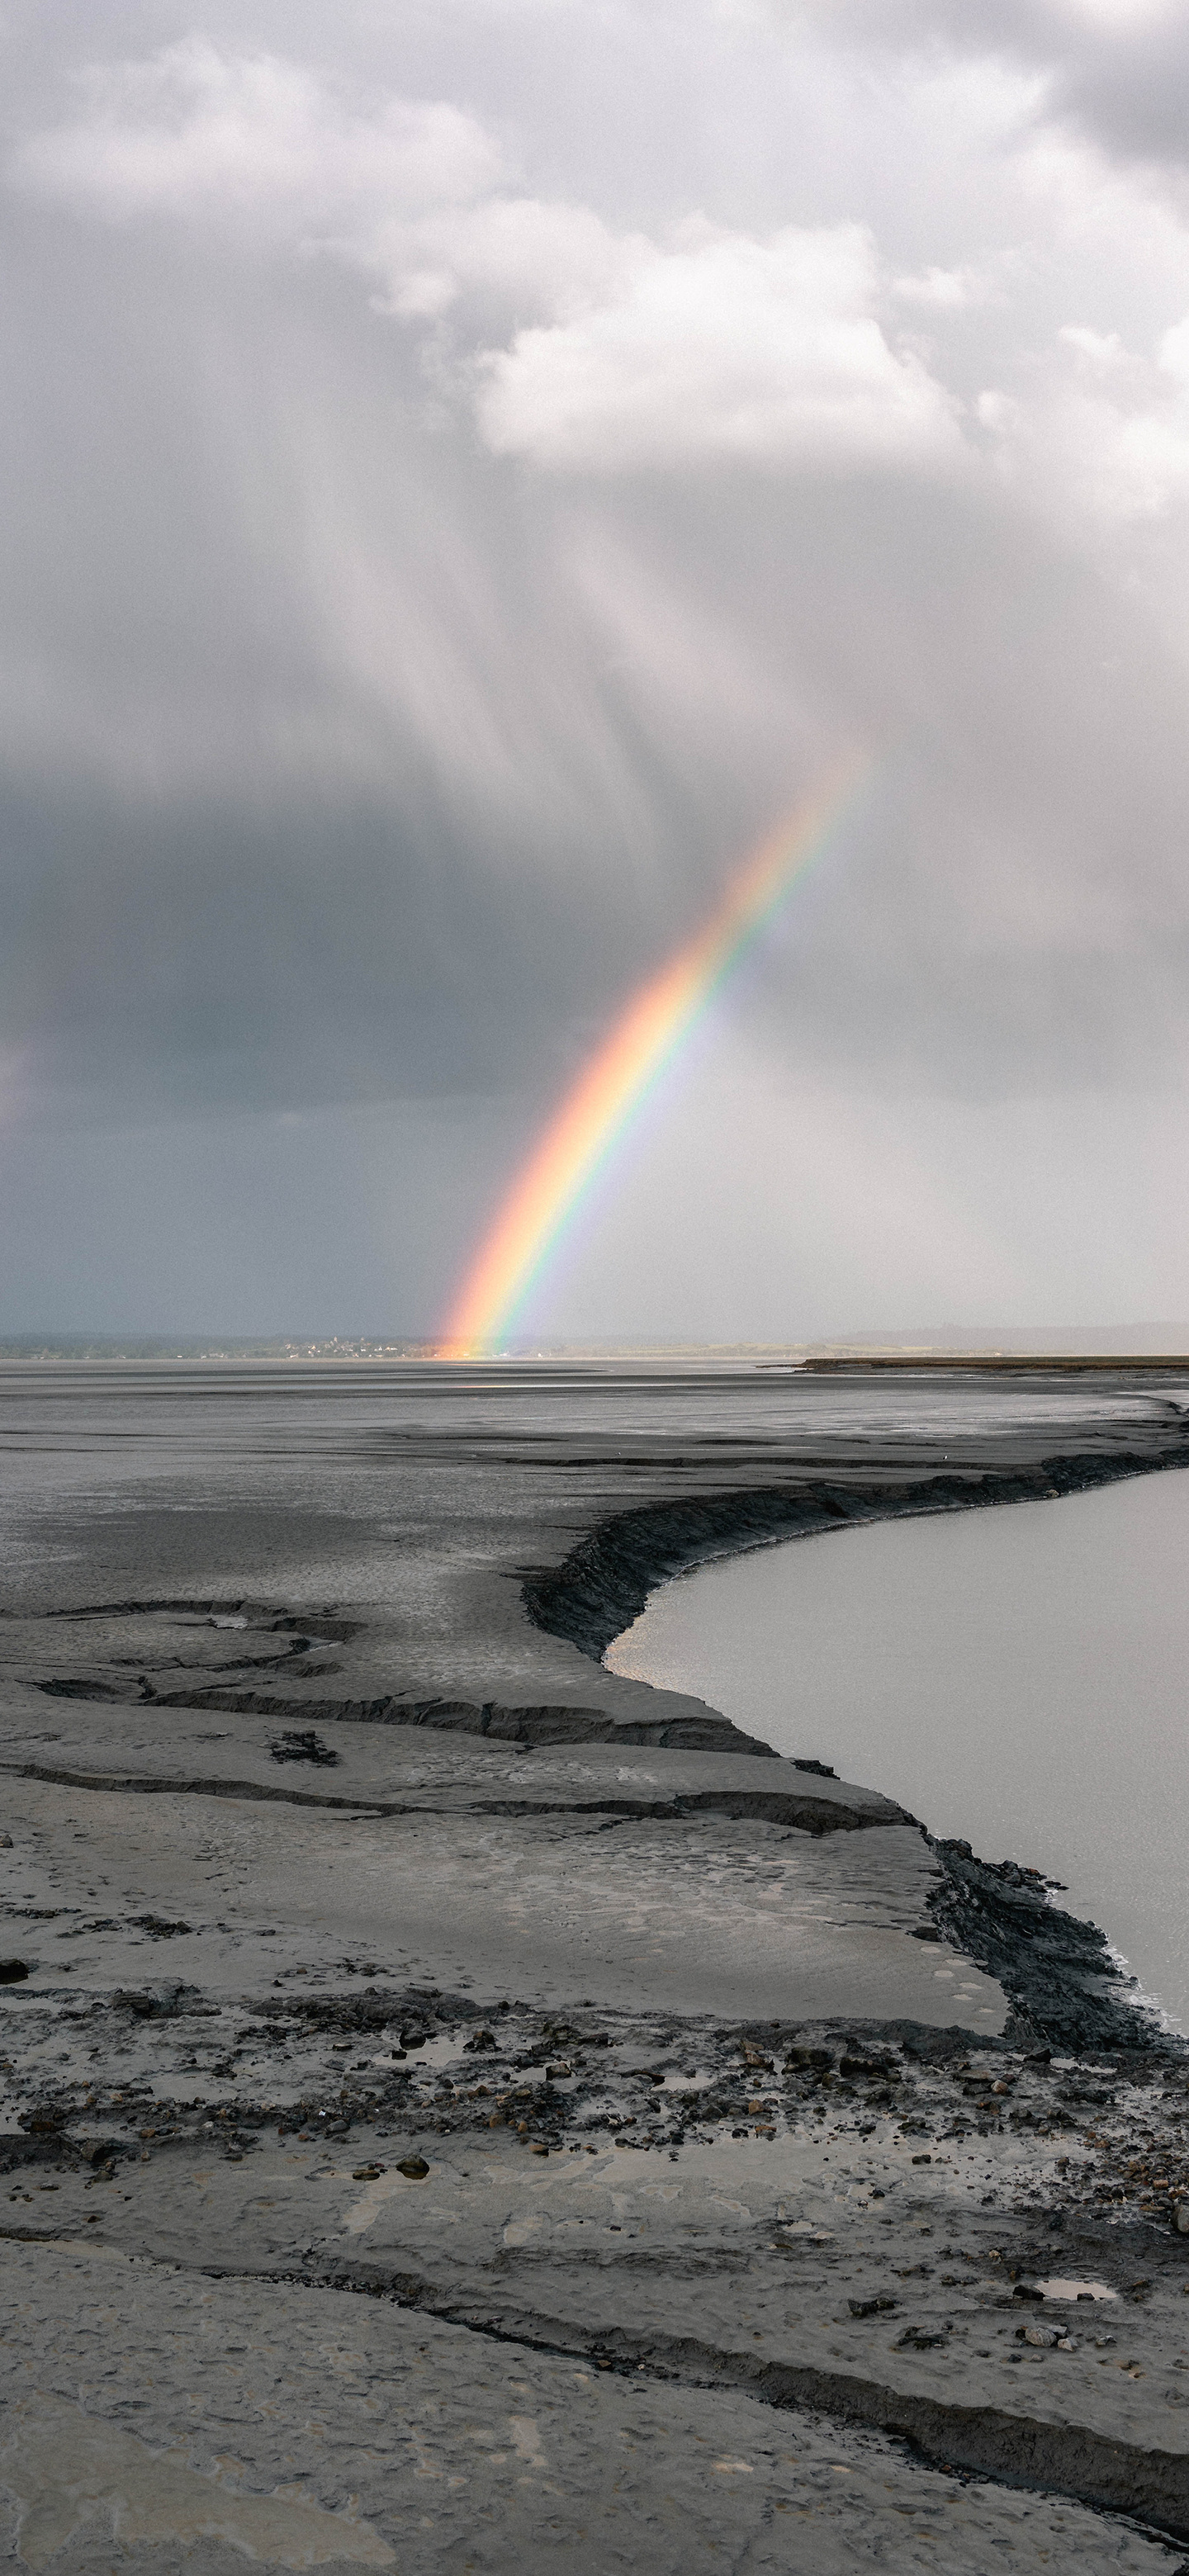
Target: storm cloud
(470,471)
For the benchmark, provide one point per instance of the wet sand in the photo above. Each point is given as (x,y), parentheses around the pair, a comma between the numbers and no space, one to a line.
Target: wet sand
(748,2115)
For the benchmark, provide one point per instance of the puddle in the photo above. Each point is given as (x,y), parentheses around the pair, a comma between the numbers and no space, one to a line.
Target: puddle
(446,2054)
(446,2049)
(1076,2290)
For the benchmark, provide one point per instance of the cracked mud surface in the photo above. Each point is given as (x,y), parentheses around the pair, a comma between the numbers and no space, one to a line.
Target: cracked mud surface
(462,2110)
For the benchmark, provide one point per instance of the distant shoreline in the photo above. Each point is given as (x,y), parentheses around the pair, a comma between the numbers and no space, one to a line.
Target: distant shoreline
(972,1363)
(763,1359)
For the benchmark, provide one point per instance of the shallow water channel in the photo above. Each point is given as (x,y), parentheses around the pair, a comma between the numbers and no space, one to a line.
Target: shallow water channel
(1017,1676)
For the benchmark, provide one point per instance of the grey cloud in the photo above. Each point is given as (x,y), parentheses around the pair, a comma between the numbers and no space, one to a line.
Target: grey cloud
(1003,915)
(1124,85)
(1134,97)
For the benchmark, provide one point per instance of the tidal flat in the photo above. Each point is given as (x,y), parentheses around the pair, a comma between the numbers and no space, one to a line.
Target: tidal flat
(494,2109)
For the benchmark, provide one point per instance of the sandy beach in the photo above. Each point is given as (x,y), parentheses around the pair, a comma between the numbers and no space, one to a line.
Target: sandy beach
(490,2109)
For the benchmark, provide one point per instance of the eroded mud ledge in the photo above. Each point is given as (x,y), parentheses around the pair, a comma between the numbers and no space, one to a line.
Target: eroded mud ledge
(604,1582)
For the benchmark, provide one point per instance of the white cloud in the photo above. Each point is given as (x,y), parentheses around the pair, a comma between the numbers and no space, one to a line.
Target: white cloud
(1102,351)
(595,349)
(721,346)
(517,253)
(945,290)
(194,133)
(1173,354)
(407,190)
(1103,437)
(629,351)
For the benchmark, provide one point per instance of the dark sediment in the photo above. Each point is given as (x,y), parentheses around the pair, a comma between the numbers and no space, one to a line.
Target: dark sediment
(1067,1988)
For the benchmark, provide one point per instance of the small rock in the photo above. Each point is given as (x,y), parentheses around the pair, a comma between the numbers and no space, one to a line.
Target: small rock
(13,1972)
(369,2173)
(44,2120)
(414,2168)
(166,2002)
(869,2307)
(1044,2337)
(1180,2218)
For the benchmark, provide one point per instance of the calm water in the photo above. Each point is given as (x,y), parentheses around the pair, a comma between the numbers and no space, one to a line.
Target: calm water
(1018,1677)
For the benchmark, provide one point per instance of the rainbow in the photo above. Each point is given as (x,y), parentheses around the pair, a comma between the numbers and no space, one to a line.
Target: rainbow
(616,1082)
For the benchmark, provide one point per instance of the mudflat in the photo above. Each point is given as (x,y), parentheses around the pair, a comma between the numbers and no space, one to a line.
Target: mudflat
(462,2106)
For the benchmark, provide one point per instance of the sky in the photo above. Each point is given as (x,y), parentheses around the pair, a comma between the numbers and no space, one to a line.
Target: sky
(471,467)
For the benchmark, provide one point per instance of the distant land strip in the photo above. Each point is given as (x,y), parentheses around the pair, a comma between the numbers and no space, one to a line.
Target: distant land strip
(962,1363)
